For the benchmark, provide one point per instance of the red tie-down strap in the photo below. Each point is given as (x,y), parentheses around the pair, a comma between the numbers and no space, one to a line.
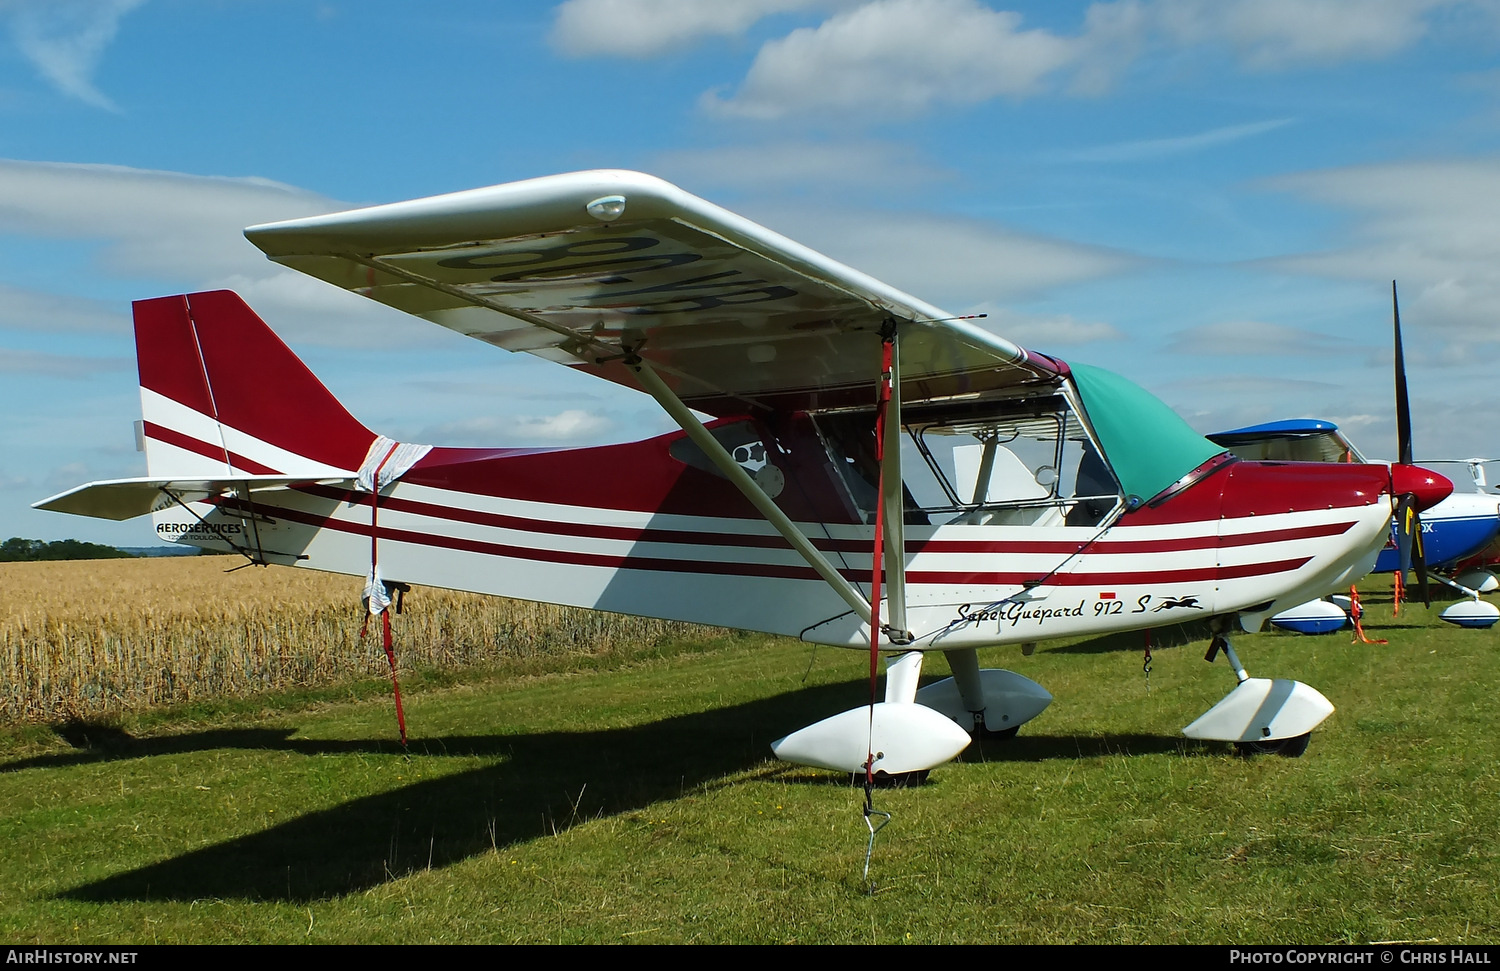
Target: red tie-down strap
(377,597)
(1357,612)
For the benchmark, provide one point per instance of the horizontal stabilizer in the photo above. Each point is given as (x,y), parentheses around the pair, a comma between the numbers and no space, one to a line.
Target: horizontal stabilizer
(120,499)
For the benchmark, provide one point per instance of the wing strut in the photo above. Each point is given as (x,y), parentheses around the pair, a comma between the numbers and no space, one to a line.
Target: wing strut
(892,497)
(767,507)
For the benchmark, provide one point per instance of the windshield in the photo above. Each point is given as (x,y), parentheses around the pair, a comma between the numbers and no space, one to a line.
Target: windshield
(1147,444)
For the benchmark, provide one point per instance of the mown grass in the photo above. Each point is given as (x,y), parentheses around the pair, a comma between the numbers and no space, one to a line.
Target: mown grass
(635,801)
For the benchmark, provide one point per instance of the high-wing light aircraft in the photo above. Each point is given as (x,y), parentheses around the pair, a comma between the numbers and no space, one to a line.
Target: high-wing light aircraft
(876,474)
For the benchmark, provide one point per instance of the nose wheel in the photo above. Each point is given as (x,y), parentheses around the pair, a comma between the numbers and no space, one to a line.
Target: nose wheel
(1289,748)
(1261,716)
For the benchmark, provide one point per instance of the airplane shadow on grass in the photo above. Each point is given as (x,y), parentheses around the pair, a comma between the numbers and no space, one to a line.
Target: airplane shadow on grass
(546,783)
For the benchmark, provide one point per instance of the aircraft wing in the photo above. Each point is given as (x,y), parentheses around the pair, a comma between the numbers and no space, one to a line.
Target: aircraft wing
(121,499)
(590,267)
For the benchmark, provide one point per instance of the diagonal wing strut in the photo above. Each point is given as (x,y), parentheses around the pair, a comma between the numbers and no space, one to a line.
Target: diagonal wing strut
(751,490)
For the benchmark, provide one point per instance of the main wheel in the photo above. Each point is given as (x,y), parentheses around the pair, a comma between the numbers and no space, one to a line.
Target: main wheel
(1000,736)
(898,780)
(1289,748)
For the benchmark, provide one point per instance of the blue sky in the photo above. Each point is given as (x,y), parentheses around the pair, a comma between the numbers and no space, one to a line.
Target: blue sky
(1208,196)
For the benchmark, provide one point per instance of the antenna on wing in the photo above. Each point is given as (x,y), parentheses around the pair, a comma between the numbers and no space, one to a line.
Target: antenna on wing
(940,320)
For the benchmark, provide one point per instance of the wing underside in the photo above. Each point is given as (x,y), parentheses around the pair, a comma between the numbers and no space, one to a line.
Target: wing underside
(591,268)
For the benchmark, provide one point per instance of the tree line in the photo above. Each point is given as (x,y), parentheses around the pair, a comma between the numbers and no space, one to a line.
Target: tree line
(16,549)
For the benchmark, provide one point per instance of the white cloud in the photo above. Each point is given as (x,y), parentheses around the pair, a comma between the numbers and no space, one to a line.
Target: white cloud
(1282,34)
(1265,388)
(64,40)
(32,310)
(900,57)
(158,224)
(187,230)
(40,363)
(1043,332)
(573,426)
(1219,402)
(905,57)
(1155,148)
(1241,338)
(1434,226)
(483,383)
(646,28)
(308,311)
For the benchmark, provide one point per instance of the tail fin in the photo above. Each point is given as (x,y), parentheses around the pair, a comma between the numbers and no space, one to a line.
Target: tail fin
(221,394)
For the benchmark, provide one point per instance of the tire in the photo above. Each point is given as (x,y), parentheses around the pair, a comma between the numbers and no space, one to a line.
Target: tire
(1288,748)
(900,780)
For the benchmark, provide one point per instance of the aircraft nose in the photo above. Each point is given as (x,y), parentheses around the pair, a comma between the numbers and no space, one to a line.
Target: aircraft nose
(1429,487)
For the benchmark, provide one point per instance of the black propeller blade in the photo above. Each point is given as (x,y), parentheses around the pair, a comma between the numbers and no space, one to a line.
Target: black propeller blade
(1403,405)
(1409,540)
(1408,517)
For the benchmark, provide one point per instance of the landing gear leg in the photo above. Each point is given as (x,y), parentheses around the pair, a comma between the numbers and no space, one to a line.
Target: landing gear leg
(1474,612)
(988,703)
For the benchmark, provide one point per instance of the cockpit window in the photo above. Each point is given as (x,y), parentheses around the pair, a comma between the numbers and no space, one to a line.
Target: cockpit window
(1029,469)
(1148,445)
(1005,463)
(1314,447)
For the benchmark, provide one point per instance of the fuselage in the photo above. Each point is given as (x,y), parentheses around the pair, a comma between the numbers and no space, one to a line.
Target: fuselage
(634,529)
(1069,503)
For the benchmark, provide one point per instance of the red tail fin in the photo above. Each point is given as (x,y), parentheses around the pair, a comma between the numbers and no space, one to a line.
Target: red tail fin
(219,389)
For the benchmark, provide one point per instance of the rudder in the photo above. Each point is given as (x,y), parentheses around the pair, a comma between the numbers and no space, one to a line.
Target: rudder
(222,394)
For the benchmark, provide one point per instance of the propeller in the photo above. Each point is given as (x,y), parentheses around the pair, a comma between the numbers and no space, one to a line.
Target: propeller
(1415,488)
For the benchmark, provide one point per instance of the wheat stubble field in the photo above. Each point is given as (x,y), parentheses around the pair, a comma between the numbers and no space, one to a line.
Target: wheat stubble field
(88,638)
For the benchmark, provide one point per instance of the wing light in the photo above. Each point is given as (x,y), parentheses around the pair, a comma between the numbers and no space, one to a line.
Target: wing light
(607,209)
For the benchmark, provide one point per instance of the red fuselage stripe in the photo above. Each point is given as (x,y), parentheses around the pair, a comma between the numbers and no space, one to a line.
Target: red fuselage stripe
(790,572)
(637,534)
(703,538)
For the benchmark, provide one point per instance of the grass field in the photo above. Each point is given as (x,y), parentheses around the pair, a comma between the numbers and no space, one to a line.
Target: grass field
(629,796)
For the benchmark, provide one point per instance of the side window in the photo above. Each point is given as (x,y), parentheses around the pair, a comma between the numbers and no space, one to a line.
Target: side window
(742,440)
(1007,463)
(1315,447)
(1038,468)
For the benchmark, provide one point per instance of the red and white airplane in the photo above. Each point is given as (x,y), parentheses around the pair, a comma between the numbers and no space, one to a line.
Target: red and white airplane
(871,462)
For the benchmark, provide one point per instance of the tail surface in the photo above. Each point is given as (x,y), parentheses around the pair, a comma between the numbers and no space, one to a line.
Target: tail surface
(222,395)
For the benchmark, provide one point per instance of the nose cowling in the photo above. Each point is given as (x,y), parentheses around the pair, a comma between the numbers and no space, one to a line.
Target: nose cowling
(1428,487)
(1263,488)
(1322,525)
